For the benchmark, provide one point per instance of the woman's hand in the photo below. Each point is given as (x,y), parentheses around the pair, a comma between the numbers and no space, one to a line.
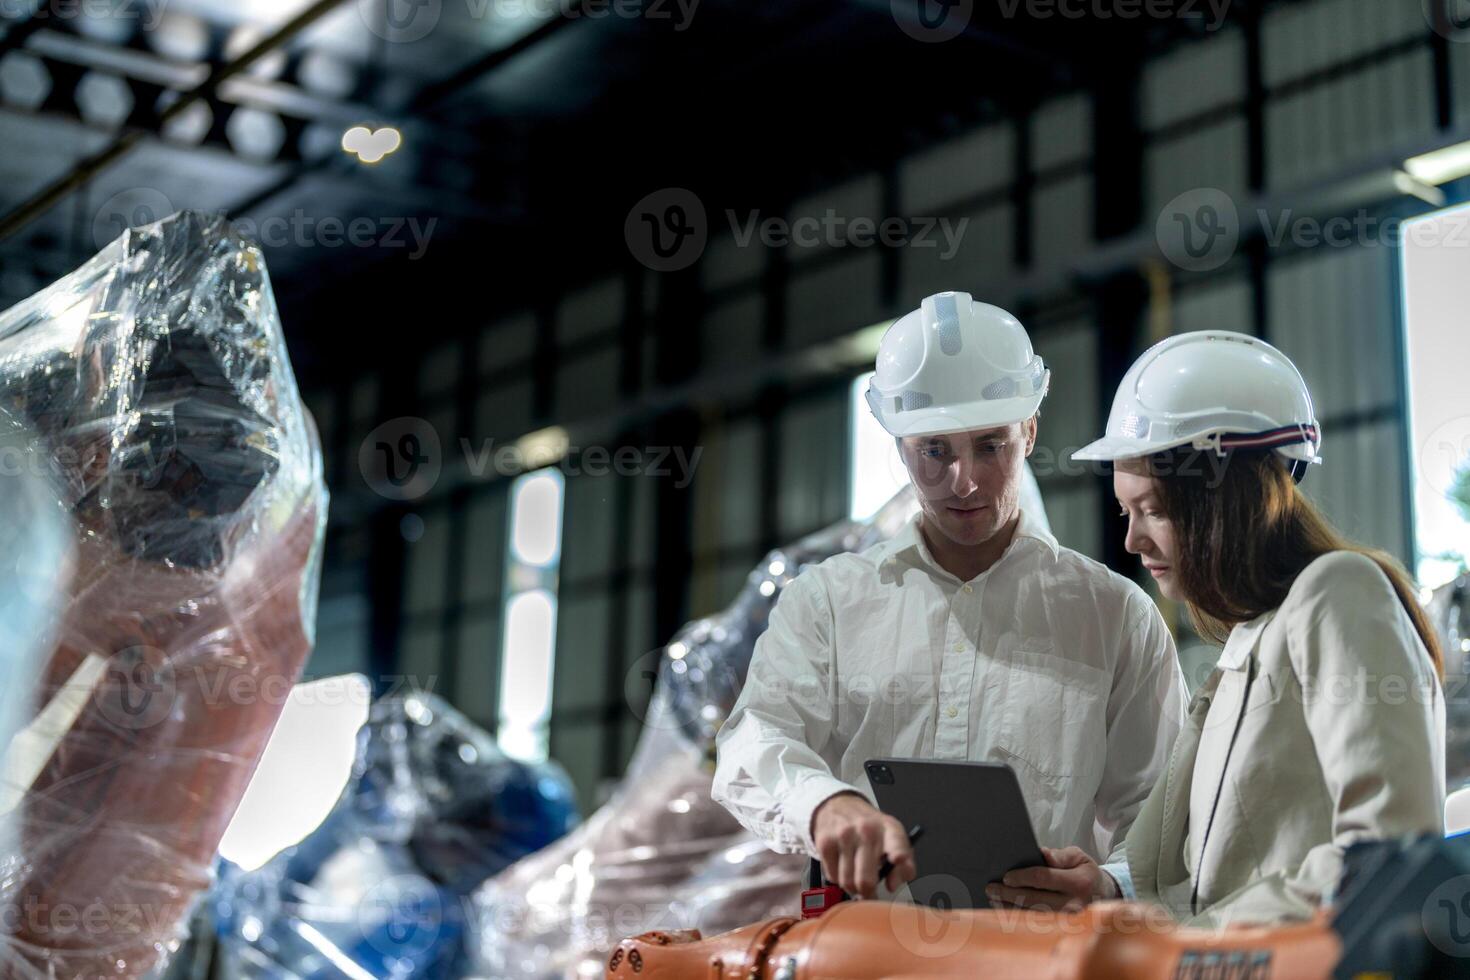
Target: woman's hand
(1070,881)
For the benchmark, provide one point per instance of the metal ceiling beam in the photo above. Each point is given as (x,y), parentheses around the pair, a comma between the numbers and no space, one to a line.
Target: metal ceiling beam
(84,171)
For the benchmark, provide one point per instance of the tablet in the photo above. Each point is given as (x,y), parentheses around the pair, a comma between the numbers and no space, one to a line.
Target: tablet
(976,827)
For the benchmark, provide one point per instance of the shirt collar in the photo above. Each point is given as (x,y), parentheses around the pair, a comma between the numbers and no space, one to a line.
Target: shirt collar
(1242,641)
(908,544)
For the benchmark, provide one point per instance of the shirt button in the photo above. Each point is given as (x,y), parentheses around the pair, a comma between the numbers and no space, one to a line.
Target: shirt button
(969,589)
(959,648)
(952,711)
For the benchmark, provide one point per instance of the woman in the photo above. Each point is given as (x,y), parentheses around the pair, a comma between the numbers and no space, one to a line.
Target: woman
(1323,722)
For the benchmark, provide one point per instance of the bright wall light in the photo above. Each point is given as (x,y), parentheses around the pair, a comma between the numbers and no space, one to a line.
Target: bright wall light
(305,767)
(526,674)
(877,472)
(1441,166)
(535,521)
(1435,268)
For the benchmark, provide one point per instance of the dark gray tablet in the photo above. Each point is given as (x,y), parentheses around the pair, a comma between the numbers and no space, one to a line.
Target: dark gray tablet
(975,825)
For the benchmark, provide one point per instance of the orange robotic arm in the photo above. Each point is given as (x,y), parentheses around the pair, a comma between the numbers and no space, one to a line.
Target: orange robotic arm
(889,941)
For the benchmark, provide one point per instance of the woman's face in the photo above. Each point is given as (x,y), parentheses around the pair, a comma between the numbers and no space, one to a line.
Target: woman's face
(1150,533)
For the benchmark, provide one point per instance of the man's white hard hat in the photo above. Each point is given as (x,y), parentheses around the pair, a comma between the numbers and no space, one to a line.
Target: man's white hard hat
(954,365)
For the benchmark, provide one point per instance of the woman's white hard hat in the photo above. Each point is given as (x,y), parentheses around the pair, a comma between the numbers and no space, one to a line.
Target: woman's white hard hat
(1211,389)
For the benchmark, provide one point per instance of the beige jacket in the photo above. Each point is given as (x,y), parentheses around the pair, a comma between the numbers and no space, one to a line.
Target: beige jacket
(1323,724)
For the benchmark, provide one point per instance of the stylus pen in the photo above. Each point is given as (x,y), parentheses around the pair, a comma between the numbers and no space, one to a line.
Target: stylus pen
(884,869)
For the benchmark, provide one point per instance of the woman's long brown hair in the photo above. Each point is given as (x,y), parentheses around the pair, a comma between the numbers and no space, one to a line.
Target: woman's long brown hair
(1244,532)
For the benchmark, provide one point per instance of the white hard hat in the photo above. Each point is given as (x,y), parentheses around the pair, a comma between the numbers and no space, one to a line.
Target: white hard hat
(953,365)
(1211,389)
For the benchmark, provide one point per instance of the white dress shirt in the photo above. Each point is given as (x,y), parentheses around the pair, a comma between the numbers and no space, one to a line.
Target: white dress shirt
(1047,661)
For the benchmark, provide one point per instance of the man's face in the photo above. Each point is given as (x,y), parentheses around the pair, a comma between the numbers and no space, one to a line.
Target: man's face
(969,483)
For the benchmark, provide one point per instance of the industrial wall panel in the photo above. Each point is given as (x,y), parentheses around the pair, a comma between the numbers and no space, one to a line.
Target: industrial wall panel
(588,523)
(578,747)
(1332,313)
(503,412)
(323,408)
(587,386)
(426,589)
(728,260)
(1194,78)
(835,299)
(979,255)
(363,399)
(484,554)
(1211,157)
(1075,519)
(1218,304)
(1301,39)
(823,221)
(342,624)
(643,536)
(813,460)
(730,333)
(419,653)
(1069,415)
(638,636)
(507,342)
(1061,220)
(1360,485)
(581,651)
(1061,131)
(1323,130)
(1460,78)
(475,690)
(979,161)
(439,370)
(588,311)
(729,476)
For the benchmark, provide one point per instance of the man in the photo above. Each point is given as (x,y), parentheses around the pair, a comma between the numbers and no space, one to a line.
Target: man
(970,635)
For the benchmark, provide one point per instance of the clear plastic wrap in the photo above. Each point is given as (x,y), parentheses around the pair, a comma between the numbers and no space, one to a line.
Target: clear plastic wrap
(661,854)
(432,809)
(35,562)
(157,376)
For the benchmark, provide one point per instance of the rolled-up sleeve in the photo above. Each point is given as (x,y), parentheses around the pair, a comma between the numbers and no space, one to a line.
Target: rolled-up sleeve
(1145,715)
(771,771)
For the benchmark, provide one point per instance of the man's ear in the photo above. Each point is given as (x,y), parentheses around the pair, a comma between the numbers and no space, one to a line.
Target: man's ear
(1029,427)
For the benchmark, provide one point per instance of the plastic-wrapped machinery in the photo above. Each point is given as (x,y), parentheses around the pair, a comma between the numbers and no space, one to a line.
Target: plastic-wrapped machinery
(661,854)
(156,376)
(433,807)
